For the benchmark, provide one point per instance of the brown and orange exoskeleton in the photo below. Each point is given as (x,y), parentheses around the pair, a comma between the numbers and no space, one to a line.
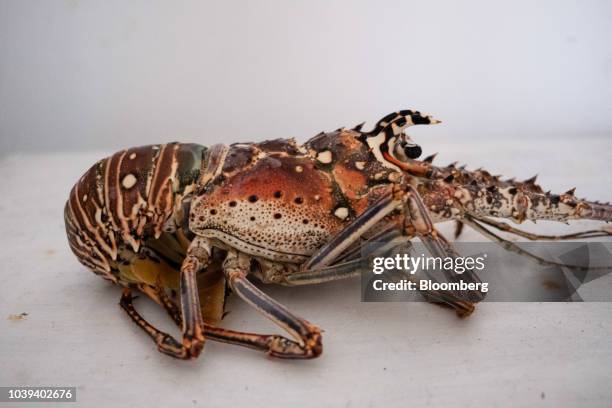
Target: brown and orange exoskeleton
(186,224)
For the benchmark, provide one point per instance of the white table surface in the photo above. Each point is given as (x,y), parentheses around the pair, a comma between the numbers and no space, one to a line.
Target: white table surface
(391,354)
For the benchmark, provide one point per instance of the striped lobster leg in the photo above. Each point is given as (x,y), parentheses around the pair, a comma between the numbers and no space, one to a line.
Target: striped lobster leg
(417,223)
(198,257)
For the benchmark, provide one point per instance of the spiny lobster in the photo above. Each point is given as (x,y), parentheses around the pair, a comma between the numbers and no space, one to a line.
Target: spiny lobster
(186,224)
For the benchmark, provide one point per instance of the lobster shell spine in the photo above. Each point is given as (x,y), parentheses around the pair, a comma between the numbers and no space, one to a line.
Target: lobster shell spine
(127,198)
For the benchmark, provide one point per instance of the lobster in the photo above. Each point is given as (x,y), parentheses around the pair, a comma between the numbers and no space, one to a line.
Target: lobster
(187,224)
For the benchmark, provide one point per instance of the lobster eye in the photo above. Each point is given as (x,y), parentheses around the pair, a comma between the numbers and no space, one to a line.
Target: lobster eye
(412,151)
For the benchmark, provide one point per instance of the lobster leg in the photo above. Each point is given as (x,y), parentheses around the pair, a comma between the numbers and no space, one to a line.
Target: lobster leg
(308,336)
(171,307)
(159,296)
(192,323)
(502,226)
(263,342)
(339,271)
(344,239)
(511,246)
(165,342)
(442,298)
(417,222)
(458,229)
(350,263)
(352,268)
(250,340)
(244,339)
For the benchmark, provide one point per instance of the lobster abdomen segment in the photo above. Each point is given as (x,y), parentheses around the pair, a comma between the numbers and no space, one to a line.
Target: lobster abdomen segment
(127,198)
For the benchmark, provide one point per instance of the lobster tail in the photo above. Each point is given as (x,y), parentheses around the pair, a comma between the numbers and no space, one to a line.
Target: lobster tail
(127,198)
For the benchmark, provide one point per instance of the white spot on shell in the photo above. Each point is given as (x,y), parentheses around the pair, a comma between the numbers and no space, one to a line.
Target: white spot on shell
(299,169)
(341,212)
(128,181)
(85,198)
(132,156)
(325,157)
(360,165)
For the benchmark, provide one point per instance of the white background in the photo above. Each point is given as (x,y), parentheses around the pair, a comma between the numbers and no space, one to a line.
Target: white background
(522,88)
(82,74)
